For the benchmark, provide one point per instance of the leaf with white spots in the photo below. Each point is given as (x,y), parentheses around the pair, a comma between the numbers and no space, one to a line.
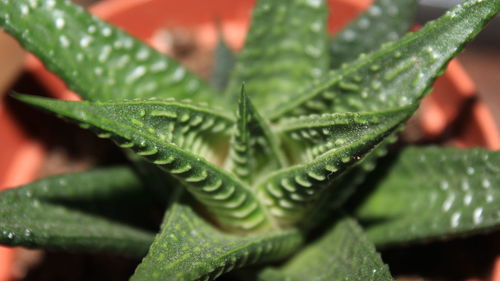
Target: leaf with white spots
(254,149)
(332,201)
(97,211)
(384,21)
(291,192)
(398,74)
(342,253)
(188,249)
(313,135)
(433,193)
(96,59)
(144,127)
(285,49)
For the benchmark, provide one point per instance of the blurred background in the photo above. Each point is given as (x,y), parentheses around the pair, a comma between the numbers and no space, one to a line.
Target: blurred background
(481,59)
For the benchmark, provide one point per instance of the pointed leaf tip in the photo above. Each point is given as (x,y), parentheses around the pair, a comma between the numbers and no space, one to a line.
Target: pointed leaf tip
(254,148)
(149,129)
(342,141)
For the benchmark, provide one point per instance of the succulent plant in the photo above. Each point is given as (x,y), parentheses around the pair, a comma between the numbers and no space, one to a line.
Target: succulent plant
(313,117)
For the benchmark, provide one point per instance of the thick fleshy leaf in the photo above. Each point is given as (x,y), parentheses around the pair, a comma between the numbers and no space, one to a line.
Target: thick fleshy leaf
(96,59)
(188,249)
(96,211)
(286,48)
(386,20)
(139,125)
(314,135)
(162,185)
(434,192)
(254,149)
(289,193)
(398,74)
(343,253)
(332,200)
(224,61)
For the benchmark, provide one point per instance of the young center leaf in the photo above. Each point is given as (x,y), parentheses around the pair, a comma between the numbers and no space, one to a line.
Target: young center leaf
(285,49)
(96,59)
(342,253)
(95,211)
(430,193)
(384,21)
(188,249)
(254,149)
(398,74)
(145,127)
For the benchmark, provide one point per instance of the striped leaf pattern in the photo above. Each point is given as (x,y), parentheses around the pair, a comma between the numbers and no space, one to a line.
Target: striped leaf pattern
(226,197)
(256,184)
(289,193)
(254,149)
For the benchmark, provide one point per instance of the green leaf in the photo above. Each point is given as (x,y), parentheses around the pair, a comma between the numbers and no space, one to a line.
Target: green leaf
(254,149)
(96,211)
(398,74)
(314,135)
(432,193)
(139,125)
(286,48)
(289,193)
(224,61)
(386,20)
(96,59)
(188,248)
(331,201)
(343,253)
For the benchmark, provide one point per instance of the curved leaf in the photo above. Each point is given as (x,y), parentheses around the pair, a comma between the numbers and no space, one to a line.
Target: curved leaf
(254,149)
(343,253)
(314,135)
(289,193)
(135,124)
(398,74)
(188,249)
(434,192)
(96,211)
(286,48)
(332,200)
(96,59)
(384,21)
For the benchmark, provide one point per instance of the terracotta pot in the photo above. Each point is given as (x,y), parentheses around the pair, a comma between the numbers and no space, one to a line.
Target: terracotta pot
(146,19)
(20,156)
